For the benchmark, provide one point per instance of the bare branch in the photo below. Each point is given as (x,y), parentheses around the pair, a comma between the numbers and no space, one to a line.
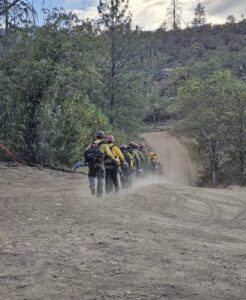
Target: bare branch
(2,12)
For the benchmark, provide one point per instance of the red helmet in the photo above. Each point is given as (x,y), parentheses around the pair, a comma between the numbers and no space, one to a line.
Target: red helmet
(110,138)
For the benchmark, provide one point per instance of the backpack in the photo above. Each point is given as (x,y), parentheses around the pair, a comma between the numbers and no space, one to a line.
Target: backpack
(129,159)
(93,154)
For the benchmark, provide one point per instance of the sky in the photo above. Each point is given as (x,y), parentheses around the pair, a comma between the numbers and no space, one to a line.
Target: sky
(150,14)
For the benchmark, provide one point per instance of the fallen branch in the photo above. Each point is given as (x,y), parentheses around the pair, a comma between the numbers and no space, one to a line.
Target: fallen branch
(61,169)
(9,153)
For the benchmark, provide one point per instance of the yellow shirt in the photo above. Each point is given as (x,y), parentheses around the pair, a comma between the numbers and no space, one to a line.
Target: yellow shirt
(152,156)
(117,153)
(104,148)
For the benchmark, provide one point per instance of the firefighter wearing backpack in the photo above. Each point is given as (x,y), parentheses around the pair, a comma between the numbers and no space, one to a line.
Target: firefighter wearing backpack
(133,149)
(128,174)
(95,155)
(144,158)
(112,169)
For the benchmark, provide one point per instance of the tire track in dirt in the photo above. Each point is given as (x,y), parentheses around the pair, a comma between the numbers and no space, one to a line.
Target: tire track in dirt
(179,200)
(160,199)
(180,170)
(159,240)
(239,218)
(214,209)
(217,200)
(8,206)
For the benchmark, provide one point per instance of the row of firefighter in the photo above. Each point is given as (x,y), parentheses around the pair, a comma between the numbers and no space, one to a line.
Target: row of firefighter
(112,167)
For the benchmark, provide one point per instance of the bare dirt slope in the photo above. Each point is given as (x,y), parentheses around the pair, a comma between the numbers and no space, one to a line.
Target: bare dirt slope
(174,157)
(156,241)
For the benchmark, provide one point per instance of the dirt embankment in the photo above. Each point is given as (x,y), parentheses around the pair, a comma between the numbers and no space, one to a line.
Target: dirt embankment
(175,158)
(159,240)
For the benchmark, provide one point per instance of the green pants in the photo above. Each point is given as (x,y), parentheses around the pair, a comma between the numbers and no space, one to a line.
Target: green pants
(96,177)
(112,181)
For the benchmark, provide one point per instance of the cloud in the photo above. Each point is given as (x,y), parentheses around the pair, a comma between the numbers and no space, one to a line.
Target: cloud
(89,13)
(92,12)
(150,14)
(218,7)
(218,10)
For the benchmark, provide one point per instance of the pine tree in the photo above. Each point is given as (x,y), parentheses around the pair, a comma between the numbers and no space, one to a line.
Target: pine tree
(231,19)
(122,75)
(200,17)
(174,13)
(115,20)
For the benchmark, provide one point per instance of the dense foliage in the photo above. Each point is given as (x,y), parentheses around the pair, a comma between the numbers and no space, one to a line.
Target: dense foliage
(213,111)
(64,80)
(54,85)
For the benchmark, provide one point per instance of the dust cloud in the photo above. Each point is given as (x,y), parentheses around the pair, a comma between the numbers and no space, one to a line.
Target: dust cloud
(175,158)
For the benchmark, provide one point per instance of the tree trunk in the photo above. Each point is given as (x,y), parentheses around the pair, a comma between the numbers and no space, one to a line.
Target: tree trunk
(6,15)
(174,16)
(242,143)
(242,163)
(154,117)
(112,77)
(31,128)
(30,136)
(214,161)
(215,172)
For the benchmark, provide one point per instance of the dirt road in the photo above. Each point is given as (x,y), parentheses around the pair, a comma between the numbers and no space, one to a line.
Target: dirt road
(160,240)
(174,157)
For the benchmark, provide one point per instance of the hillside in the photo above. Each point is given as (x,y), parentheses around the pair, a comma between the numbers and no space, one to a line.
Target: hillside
(64,80)
(223,44)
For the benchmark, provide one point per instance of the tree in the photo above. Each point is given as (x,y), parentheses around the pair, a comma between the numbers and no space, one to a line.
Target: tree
(237,150)
(163,26)
(17,13)
(207,109)
(200,18)
(231,19)
(5,6)
(116,21)
(122,70)
(75,124)
(46,110)
(174,13)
